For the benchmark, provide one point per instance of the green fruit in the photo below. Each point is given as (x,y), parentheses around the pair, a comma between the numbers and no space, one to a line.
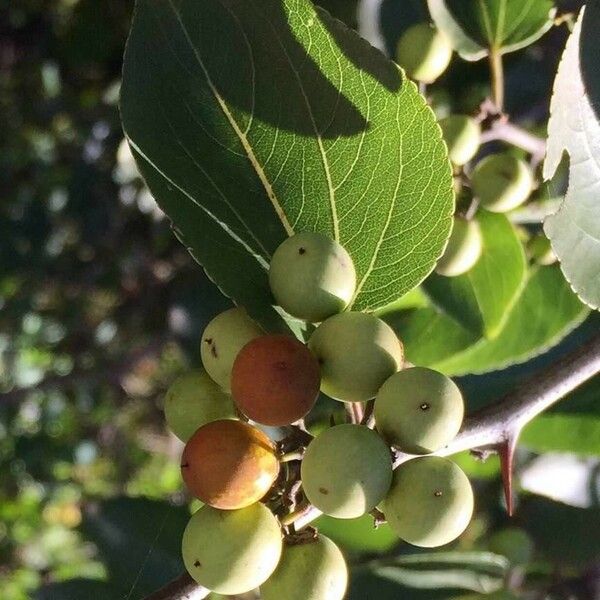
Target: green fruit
(193,400)
(311,571)
(346,471)
(540,250)
(463,249)
(222,339)
(424,52)
(514,543)
(501,182)
(462,135)
(430,502)
(232,551)
(419,410)
(312,277)
(357,353)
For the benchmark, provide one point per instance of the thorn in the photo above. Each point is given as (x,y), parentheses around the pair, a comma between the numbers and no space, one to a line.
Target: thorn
(507,455)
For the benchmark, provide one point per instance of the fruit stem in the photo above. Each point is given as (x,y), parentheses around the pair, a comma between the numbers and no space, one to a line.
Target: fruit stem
(293,516)
(497,75)
(289,456)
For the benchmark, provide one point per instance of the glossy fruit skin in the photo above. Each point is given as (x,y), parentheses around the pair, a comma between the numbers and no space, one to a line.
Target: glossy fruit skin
(501,182)
(419,410)
(229,464)
(312,276)
(315,570)
(221,341)
(423,52)
(462,135)
(514,543)
(430,502)
(346,471)
(275,380)
(193,400)
(357,353)
(232,552)
(463,249)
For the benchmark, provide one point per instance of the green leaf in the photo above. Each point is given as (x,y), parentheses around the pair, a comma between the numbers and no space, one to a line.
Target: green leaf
(482,298)
(477,26)
(250,120)
(358,535)
(76,589)
(574,127)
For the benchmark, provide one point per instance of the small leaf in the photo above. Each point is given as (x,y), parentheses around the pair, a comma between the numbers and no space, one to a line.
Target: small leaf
(252,119)
(477,26)
(558,432)
(482,298)
(574,127)
(358,535)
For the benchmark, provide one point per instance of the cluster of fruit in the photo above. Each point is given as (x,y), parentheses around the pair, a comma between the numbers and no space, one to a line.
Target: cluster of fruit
(499,182)
(234,543)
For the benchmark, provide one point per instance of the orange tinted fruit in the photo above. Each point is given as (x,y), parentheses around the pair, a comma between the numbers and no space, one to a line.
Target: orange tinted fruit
(229,464)
(275,380)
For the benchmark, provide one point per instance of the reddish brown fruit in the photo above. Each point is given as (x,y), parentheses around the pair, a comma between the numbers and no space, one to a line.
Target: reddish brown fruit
(229,464)
(275,380)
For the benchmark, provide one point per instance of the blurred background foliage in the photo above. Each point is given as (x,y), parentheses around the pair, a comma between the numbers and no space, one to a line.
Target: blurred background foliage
(100,308)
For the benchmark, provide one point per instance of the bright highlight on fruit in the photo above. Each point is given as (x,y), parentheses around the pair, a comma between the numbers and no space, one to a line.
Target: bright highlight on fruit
(312,276)
(430,502)
(502,182)
(463,249)
(346,471)
(193,400)
(357,353)
(232,552)
(419,410)
(221,341)
(275,380)
(423,52)
(315,570)
(462,135)
(229,464)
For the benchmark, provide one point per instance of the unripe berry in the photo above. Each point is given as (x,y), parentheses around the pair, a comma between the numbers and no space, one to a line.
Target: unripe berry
(222,339)
(275,380)
(424,52)
(312,277)
(315,570)
(540,250)
(229,464)
(501,182)
(430,502)
(193,400)
(232,552)
(357,353)
(419,410)
(462,135)
(463,249)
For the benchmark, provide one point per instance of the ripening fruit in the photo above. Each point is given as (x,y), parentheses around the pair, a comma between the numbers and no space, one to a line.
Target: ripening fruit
(275,380)
(229,464)
(312,277)
(233,551)
(462,135)
(346,471)
(463,249)
(419,410)
(501,182)
(222,339)
(514,543)
(315,570)
(424,52)
(430,502)
(193,400)
(357,353)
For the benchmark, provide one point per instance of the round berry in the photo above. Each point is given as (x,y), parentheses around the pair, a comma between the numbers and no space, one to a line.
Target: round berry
(463,249)
(312,277)
(462,135)
(357,353)
(222,339)
(229,464)
(346,471)
(419,410)
(275,380)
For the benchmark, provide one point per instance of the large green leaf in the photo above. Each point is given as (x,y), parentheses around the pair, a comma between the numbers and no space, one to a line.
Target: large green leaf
(477,26)
(482,298)
(574,127)
(358,535)
(253,119)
